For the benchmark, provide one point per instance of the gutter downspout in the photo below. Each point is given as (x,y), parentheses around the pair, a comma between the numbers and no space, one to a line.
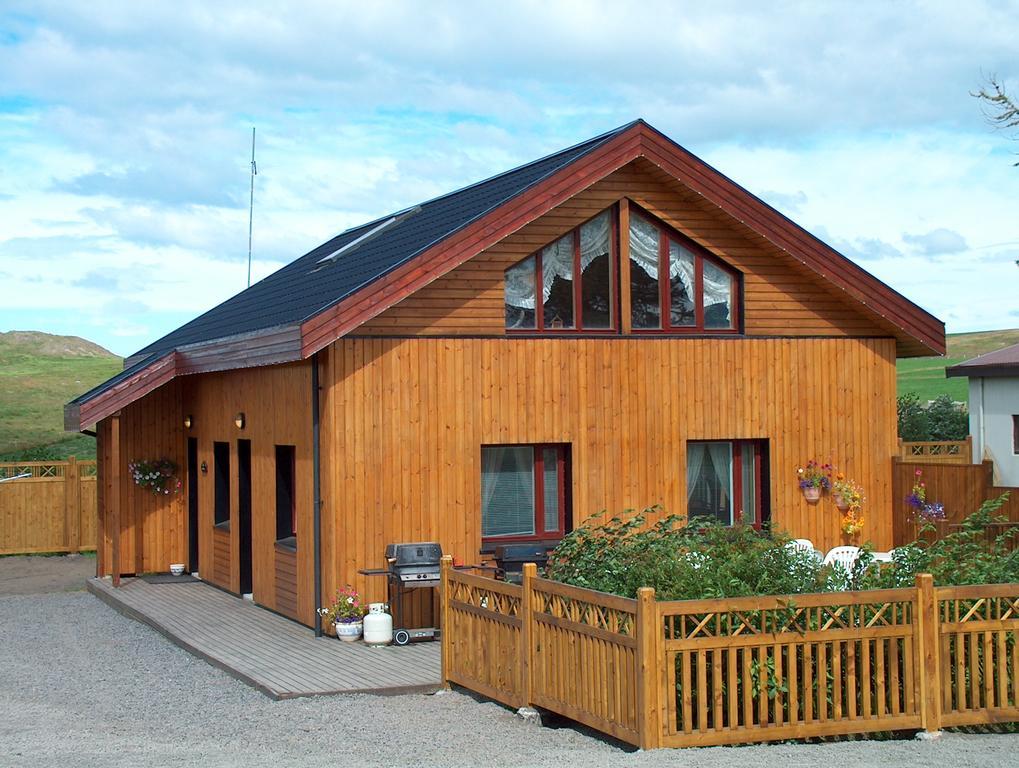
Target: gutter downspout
(317,491)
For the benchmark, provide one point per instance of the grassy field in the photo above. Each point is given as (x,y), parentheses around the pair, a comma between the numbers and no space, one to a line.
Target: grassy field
(926,375)
(38,374)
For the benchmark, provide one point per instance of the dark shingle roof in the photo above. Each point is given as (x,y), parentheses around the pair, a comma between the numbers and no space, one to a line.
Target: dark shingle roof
(1000,362)
(298,291)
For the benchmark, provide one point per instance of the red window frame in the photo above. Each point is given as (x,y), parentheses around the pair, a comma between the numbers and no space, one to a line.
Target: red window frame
(667,233)
(578,314)
(562,472)
(737,480)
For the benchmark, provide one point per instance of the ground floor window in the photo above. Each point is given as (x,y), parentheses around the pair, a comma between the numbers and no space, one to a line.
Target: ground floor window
(726,481)
(524,492)
(221,470)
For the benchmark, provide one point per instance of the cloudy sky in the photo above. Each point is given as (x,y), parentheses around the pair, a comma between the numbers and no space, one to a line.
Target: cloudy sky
(125,134)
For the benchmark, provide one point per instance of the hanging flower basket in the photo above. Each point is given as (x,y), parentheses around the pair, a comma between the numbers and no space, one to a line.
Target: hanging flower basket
(156,475)
(814,479)
(812,494)
(840,503)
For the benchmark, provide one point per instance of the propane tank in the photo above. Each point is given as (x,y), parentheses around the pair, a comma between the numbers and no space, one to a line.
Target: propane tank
(378,625)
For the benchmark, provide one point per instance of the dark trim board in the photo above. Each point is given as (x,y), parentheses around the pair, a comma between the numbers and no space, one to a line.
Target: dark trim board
(278,657)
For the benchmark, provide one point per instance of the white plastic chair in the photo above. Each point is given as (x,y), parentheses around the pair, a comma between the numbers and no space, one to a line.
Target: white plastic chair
(801,545)
(883,557)
(844,556)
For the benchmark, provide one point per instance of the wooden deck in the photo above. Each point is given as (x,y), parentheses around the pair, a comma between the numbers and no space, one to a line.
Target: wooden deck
(275,655)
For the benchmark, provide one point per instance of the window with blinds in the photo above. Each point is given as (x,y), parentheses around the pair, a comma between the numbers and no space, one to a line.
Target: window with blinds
(523,492)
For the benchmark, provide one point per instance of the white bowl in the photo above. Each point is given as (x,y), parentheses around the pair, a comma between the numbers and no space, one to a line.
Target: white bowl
(177,569)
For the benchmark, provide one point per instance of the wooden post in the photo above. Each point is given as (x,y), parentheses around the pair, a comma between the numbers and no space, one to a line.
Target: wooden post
(530,572)
(649,721)
(928,653)
(626,316)
(72,506)
(113,516)
(445,635)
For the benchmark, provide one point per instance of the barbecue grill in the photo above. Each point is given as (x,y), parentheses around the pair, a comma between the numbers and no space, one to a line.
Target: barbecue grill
(510,559)
(411,566)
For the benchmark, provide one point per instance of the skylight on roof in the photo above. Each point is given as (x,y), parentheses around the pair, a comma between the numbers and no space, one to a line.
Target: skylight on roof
(370,234)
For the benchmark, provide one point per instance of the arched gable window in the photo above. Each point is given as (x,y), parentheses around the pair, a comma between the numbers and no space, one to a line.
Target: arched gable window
(674,286)
(572,284)
(568,285)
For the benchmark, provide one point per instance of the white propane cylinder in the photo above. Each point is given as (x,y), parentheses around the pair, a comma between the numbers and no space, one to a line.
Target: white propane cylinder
(378,625)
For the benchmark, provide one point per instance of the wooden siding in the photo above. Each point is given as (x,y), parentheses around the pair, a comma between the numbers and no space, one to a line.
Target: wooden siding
(404,421)
(286,583)
(276,403)
(153,527)
(782,297)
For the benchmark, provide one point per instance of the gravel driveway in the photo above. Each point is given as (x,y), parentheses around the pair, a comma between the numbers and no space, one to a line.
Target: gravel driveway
(80,685)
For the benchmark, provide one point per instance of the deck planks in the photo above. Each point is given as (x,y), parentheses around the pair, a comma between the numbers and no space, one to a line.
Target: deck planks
(277,656)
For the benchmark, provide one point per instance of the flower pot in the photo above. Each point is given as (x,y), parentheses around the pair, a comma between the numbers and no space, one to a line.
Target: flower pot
(840,504)
(348,631)
(812,494)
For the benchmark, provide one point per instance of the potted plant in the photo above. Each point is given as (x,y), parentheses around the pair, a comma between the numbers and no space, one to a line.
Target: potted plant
(917,499)
(156,475)
(346,614)
(846,493)
(814,479)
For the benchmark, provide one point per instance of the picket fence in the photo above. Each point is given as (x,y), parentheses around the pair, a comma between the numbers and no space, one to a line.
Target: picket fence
(708,672)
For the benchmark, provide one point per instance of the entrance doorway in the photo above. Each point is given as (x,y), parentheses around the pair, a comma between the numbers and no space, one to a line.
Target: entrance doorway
(244,513)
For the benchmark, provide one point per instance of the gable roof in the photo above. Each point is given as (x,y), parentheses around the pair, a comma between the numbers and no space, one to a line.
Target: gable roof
(1000,362)
(309,303)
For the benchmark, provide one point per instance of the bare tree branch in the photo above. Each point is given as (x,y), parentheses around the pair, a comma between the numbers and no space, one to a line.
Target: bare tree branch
(998,107)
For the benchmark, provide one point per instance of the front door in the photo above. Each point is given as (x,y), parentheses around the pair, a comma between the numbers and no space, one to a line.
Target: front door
(244,513)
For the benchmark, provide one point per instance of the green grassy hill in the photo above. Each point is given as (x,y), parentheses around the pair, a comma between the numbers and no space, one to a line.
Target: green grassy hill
(38,374)
(926,375)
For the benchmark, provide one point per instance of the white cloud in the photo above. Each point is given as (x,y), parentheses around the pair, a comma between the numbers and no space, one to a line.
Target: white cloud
(124,130)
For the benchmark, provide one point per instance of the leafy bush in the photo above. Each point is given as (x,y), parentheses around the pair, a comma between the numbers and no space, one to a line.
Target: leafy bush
(912,418)
(708,560)
(965,556)
(702,560)
(946,420)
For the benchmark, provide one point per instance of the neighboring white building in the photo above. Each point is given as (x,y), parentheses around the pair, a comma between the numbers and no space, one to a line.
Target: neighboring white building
(994,410)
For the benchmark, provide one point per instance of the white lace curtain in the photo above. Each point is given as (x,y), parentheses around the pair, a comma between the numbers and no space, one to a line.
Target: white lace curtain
(557,261)
(644,244)
(721,465)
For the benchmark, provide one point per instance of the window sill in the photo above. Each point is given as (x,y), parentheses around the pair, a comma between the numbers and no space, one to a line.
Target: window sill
(288,545)
(224,526)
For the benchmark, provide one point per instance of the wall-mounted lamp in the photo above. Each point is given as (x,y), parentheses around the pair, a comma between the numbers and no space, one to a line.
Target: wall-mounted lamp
(205,468)
(187,421)
(239,420)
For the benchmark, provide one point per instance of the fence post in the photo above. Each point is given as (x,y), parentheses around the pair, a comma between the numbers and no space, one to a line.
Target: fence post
(72,506)
(526,664)
(928,652)
(445,635)
(649,720)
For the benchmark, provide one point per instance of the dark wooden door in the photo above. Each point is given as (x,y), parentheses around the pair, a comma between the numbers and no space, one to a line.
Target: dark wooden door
(244,512)
(192,505)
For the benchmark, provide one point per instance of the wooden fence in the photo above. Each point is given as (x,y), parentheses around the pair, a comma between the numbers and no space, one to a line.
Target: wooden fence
(53,509)
(703,672)
(937,451)
(962,488)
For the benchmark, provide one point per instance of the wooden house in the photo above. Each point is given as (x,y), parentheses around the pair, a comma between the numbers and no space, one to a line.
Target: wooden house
(613,326)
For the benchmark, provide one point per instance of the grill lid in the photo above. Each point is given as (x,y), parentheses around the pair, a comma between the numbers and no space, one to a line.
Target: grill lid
(427,553)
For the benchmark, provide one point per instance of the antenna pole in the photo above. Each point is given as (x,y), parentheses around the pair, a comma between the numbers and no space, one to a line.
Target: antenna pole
(251,204)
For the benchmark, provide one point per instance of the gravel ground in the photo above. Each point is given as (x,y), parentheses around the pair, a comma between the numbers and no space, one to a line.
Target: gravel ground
(80,685)
(36,575)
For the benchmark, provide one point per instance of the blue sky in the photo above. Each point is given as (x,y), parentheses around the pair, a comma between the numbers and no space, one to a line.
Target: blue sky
(125,130)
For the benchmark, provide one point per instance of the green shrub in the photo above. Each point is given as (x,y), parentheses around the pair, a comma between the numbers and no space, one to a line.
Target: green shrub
(707,560)
(702,560)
